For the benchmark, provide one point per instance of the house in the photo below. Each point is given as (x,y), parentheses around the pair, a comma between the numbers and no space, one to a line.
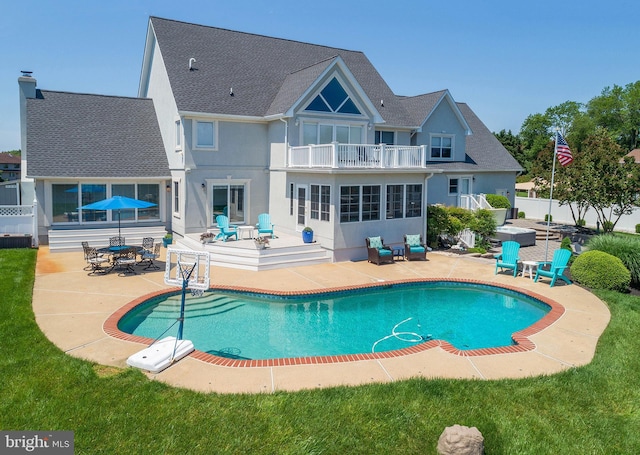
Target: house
(9,167)
(249,124)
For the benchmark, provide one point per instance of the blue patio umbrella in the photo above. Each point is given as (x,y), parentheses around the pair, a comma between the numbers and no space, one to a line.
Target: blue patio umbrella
(118,203)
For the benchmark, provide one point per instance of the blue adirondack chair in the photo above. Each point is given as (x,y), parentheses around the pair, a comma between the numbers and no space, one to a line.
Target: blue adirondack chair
(557,265)
(264,225)
(226,230)
(508,259)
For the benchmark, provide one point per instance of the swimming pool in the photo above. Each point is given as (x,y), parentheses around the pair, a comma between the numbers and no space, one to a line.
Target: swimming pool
(369,320)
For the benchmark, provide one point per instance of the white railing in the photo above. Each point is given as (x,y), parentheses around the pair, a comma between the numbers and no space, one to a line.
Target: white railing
(19,220)
(336,155)
(468,237)
(474,202)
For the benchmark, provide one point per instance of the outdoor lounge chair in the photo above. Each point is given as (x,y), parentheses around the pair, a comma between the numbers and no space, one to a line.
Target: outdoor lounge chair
(508,258)
(377,251)
(414,248)
(557,265)
(264,225)
(226,230)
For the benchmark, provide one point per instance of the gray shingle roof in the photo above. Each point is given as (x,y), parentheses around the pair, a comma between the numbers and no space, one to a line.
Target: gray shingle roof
(79,135)
(256,67)
(419,107)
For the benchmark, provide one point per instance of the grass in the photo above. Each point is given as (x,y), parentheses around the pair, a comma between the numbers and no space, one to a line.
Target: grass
(593,409)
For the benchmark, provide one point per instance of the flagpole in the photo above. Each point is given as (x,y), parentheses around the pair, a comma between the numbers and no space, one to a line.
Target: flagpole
(553,174)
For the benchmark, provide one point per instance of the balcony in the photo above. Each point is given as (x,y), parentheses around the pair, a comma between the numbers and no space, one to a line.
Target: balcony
(357,156)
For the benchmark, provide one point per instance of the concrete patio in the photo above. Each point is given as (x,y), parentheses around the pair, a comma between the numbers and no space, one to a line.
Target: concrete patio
(71,307)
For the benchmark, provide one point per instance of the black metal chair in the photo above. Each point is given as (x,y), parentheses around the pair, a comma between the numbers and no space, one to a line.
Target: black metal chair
(125,261)
(96,261)
(149,256)
(116,241)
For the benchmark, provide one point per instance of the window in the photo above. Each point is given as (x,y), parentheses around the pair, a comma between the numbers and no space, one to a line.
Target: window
(414,201)
(291,199)
(320,202)
(359,203)
(453,186)
(176,198)
(333,98)
(349,204)
(321,133)
(228,200)
(178,135)
(404,201)
(66,198)
(395,199)
(384,137)
(325,202)
(205,134)
(441,147)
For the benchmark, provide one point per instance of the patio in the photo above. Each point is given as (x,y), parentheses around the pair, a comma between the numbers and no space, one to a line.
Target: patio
(71,308)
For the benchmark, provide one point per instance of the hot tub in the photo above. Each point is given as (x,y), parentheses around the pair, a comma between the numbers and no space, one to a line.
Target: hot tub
(525,237)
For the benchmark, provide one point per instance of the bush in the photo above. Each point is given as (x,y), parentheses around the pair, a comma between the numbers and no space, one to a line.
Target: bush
(498,202)
(566,244)
(521,215)
(607,226)
(437,223)
(600,270)
(627,249)
(637,228)
(581,223)
(548,218)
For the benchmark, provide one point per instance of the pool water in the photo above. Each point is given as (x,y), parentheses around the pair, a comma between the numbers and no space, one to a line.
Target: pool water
(255,326)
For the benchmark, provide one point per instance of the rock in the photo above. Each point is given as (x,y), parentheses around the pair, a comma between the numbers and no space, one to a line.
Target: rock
(461,440)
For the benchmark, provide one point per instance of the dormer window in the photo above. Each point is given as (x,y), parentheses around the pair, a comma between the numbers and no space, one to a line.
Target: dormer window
(333,99)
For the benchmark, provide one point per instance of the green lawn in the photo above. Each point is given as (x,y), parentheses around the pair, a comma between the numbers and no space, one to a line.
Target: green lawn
(589,410)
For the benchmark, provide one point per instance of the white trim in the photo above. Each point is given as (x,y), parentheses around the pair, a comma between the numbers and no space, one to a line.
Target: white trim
(194,135)
(233,118)
(441,135)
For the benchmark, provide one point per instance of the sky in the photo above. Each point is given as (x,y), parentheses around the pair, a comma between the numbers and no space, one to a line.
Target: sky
(506,59)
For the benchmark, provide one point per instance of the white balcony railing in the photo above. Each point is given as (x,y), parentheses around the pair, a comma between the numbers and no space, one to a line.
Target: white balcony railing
(336,155)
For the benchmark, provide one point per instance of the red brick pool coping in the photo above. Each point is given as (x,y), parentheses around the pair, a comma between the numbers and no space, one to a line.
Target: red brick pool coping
(521,338)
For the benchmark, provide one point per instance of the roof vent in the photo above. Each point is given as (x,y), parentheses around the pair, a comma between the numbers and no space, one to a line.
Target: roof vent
(26,73)
(382,103)
(231,91)
(191,62)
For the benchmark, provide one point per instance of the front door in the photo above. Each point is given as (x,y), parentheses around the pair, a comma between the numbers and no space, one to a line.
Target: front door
(301,215)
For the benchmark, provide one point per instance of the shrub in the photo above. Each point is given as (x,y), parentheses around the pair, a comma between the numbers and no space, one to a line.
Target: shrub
(581,222)
(437,223)
(627,249)
(566,244)
(455,226)
(521,215)
(548,218)
(600,270)
(607,226)
(637,228)
(498,201)
(485,226)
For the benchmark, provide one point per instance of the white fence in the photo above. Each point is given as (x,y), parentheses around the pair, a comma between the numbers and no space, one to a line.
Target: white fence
(19,220)
(536,209)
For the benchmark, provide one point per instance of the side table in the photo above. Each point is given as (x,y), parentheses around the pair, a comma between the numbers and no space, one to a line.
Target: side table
(398,254)
(528,266)
(243,229)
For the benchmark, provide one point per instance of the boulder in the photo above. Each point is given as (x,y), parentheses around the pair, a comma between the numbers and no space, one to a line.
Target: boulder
(461,440)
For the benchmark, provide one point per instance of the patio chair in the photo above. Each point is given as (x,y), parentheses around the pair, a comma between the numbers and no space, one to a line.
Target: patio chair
(116,241)
(125,261)
(508,258)
(147,243)
(264,225)
(85,249)
(226,230)
(149,256)
(414,248)
(557,265)
(377,251)
(96,261)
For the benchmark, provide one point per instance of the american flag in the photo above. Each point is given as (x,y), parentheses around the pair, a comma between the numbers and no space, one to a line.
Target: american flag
(563,151)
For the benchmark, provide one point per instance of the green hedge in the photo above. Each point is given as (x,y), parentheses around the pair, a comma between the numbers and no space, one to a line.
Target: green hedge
(498,201)
(600,270)
(627,249)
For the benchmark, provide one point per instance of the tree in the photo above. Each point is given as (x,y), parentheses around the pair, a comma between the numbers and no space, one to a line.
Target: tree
(513,144)
(617,109)
(614,186)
